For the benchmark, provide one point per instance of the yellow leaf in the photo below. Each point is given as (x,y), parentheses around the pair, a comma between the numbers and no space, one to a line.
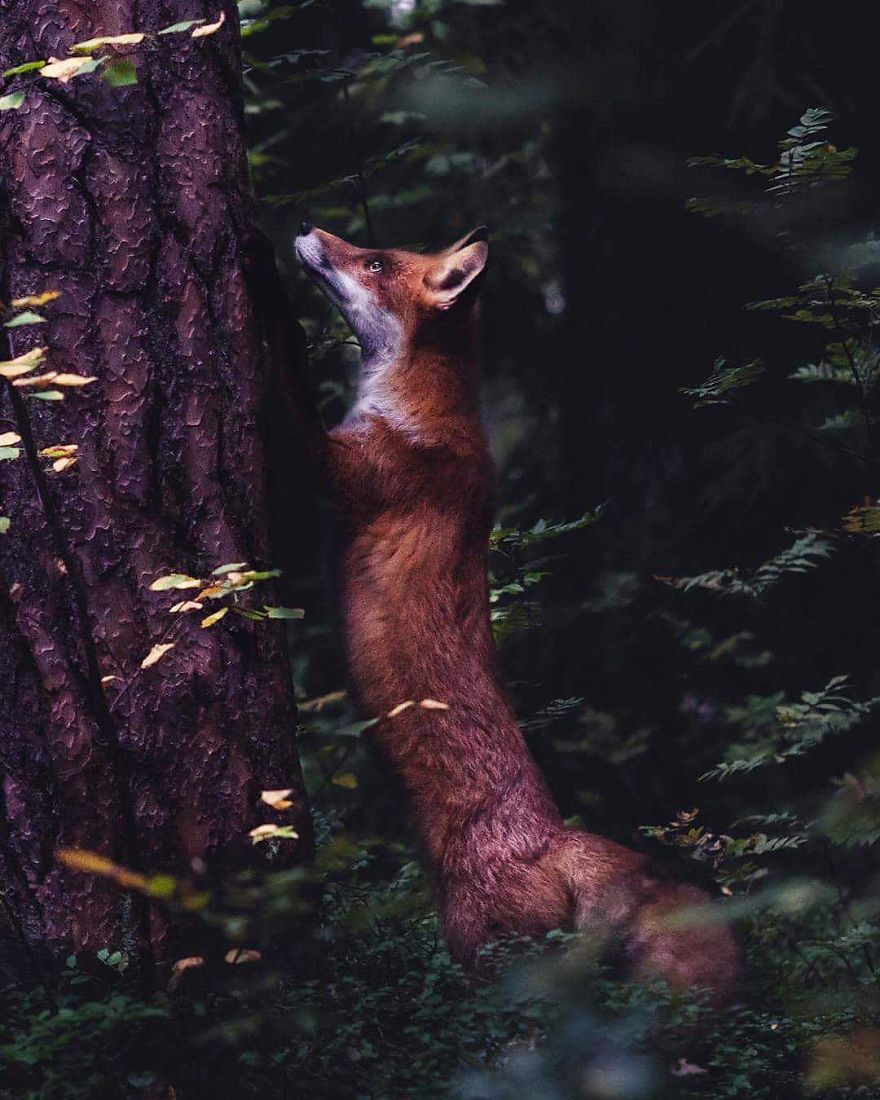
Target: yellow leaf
(209,620)
(156,654)
(240,955)
(9,439)
(61,464)
(315,706)
(182,965)
(12,368)
(113,40)
(432,704)
(348,780)
(80,859)
(262,832)
(174,580)
(109,679)
(210,28)
(73,379)
(208,593)
(59,450)
(278,800)
(188,963)
(187,605)
(400,708)
(64,70)
(33,301)
(41,381)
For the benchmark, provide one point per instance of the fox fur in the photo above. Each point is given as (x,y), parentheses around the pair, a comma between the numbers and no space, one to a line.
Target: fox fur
(410,470)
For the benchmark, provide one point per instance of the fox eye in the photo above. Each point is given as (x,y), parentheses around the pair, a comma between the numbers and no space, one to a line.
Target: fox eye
(375,265)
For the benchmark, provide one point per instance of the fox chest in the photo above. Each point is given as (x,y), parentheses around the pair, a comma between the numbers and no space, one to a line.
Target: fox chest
(407,586)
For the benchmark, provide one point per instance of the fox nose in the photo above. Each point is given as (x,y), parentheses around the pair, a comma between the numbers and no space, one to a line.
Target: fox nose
(305,228)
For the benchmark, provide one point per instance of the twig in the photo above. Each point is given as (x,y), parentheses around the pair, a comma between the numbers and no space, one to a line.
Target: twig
(359,174)
(123,691)
(854,371)
(767,418)
(718,32)
(844,903)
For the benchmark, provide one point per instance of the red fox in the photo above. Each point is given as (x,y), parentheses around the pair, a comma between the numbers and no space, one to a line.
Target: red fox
(410,470)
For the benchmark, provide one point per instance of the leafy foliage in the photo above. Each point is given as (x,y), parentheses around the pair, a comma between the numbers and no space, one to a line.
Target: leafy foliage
(806,553)
(722,381)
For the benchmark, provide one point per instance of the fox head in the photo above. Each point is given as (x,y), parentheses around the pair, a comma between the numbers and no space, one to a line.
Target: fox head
(388,295)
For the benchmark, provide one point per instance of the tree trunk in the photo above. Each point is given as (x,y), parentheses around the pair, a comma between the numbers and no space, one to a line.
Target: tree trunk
(132,202)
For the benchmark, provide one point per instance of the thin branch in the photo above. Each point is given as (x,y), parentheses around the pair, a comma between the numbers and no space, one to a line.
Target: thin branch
(123,691)
(717,33)
(854,371)
(359,174)
(809,433)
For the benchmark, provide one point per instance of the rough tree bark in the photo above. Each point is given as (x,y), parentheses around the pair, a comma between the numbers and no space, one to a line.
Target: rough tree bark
(132,202)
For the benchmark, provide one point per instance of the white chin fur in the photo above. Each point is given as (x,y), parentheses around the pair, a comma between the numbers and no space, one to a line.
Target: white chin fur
(378,332)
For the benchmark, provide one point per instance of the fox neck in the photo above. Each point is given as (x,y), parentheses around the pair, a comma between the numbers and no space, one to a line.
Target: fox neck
(414,381)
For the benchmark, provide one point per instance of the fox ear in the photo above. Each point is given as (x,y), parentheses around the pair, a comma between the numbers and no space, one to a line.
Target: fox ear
(481,233)
(455,272)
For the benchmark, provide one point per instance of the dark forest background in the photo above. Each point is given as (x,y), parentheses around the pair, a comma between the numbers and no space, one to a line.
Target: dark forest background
(685,572)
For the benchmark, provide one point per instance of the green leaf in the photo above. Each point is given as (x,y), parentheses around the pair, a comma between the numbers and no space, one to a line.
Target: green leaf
(285,612)
(185,25)
(119,73)
(214,617)
(840,422)
(5,524)
(355,729)
(131,39)
(139,1079)
(26,318)
(257,26)
(252,616)
(48,395)
(862,519)
(805,554)
(9,452)
(230,567)
(261,575)
(12,101)
(27,67)
(540,532)
(722,381)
